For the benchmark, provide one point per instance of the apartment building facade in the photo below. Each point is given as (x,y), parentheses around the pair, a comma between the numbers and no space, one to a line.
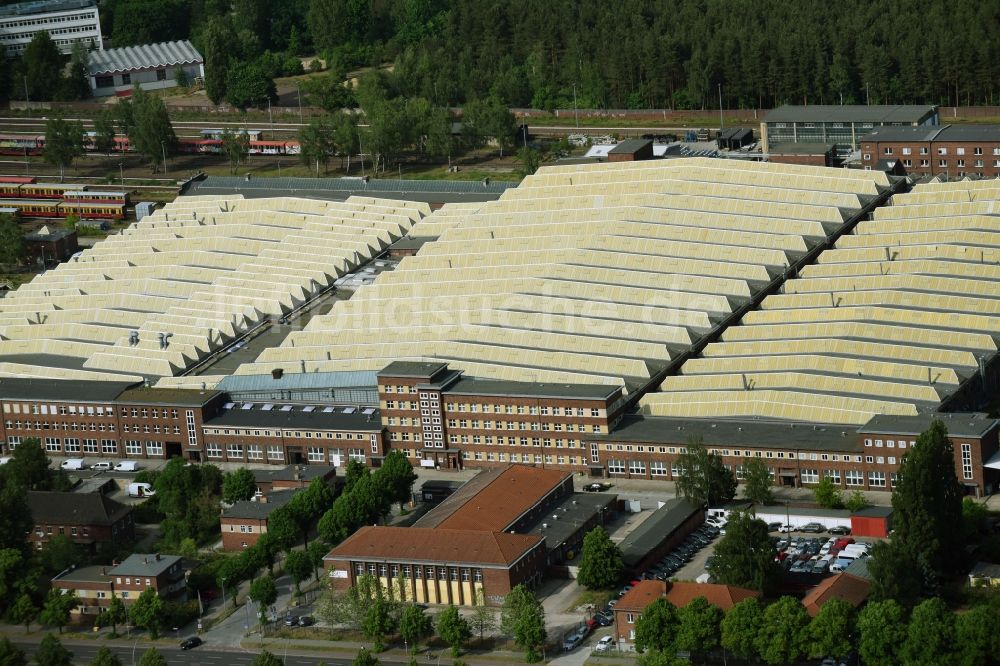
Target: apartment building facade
(951,151)
(67,22)
(86,519)
(95,586)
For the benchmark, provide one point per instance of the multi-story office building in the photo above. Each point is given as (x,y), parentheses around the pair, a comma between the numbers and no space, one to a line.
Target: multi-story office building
(440,418)
(952,151)
(66,21)
(842,125)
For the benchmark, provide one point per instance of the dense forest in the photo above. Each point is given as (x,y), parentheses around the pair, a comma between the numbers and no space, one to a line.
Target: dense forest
(621,54)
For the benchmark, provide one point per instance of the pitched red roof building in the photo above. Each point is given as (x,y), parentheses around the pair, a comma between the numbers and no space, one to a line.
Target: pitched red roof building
(852,589)
(629,608)
(439,565)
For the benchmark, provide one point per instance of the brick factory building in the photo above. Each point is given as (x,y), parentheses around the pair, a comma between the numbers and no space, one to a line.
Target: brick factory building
(951,151)
(843,125)
(439,566)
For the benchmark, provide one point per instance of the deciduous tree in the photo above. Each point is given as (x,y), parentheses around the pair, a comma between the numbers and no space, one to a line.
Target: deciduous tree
(927,506)
(57,609)
(299,566)
(656,628)
(247,84)
(523,617)
(829,633)
(148,612)
(238,485)
(483,618)
(264,592)
(104,132)
(600,560)
(703,478)
(882,631)
(930,635)
(10,654)
(828,494)
(414,625)
(51,652)
(43,66)
(105,657)
(316,146)
(151,134)
(23,611)
(757,481)
(781,638)
(744,556)
(365,658)
(740,627)
(265,658)
(63,142)
(699,628)
(152,657)
(977,635)
(13,247)
(453,629)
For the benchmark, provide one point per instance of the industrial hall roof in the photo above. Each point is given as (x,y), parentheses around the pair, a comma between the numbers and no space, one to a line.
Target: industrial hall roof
(186,280)
(938,133)
(583,274)
(891,320)
(145,56)
(416,544)
(856,113)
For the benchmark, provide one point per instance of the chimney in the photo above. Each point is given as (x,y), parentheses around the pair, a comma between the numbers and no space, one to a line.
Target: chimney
(157,557)
(262,499)
(277,373)
(145,560)
(296,476)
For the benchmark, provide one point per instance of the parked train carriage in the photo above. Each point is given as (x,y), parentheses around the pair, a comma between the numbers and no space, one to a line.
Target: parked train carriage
(49,190)
(21,144)
(293,148)
(96,196)
(254,134)
(267,147)
(92,210)
(210,146)
(47,208)
(10,186)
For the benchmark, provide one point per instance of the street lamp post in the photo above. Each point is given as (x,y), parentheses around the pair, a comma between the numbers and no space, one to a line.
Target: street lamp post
(722,122)
(576,109)
(298,89)
(163,147)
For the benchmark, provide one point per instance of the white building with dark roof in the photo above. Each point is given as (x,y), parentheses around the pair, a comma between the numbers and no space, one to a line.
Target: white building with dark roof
(154,66)
(66,21)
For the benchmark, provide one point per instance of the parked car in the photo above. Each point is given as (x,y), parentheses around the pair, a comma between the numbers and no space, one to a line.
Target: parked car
(839,529)
(605,644)
(785,529)
(813,528)
(821,566)
(605,618)
(102,466)
(127,466)
(572,641)
(73,464)
(773,527)
(192,642)
(140,490)
(291,621)
(708,562)
(306,621)
(594,487)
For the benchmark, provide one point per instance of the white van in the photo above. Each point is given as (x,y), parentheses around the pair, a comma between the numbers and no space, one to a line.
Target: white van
(127,466)
(140,490)
(102,466)
(73,463)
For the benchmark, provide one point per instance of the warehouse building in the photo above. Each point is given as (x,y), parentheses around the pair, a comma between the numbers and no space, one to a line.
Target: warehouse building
(67,21)
(843,125)
(151,66)
(948,151)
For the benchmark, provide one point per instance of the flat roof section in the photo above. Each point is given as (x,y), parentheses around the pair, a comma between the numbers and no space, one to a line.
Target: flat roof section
(970,132)
(76,390)
(567,516)
(857,113)
(296,417)
(974,425)
(732,433)
(500,388)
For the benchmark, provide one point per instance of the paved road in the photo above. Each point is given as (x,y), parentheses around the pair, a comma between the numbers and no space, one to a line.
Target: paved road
(83,653)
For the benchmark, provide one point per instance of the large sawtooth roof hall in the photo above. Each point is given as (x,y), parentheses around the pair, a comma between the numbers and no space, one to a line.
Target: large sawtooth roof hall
(594,274)
(895,319)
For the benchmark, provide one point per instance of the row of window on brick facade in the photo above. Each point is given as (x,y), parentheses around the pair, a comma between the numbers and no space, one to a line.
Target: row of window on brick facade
(430,572)
(91,427)
(941,150)
(40,409)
